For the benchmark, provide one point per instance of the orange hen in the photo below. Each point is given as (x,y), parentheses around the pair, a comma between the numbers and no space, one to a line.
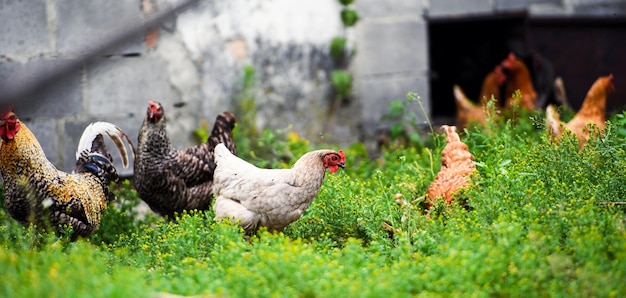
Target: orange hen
(518,79)
(457,166)
(491,85)
(593,111)
(466,110)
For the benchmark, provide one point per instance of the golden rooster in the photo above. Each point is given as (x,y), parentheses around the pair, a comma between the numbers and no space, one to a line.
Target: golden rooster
(36,192)
(593,111)
(457,166)
(272,198)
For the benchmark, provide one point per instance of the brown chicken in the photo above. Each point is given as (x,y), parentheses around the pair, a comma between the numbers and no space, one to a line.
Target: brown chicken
(457,166)
(170,180)
(467,111)
(36,192)
(518,78)
(593,111)
(492,83)
(271,198)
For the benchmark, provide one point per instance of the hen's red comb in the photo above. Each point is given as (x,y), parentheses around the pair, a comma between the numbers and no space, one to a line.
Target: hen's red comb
(342,156)
(511,56)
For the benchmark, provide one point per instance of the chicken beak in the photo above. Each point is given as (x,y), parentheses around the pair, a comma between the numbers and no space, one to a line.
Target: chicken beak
(342,165)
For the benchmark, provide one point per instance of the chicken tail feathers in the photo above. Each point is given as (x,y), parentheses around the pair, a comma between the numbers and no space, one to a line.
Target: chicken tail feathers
(92,155)
(461,99)
(559,92)
(223,131)
(553,121)
(92,141)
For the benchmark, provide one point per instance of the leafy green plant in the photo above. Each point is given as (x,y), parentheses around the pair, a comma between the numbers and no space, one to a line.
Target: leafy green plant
(405,129)
(337,48)
(245,105)
(251,142)
(122,216)
(276,148)
(541,220)
(349,17)
(341,79)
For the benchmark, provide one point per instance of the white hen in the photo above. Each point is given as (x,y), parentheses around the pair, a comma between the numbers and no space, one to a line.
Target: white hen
(272,198)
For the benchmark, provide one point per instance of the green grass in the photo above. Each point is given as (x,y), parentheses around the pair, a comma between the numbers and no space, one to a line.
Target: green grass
(534,225)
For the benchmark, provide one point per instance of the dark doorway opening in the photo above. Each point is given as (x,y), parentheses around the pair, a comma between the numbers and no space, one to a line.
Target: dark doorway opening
(579,50)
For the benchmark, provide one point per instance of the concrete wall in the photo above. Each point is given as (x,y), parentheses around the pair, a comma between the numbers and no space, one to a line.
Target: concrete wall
(392,59)
(193,63)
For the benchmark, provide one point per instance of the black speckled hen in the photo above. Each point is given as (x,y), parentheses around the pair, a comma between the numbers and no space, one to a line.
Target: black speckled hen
(171,180)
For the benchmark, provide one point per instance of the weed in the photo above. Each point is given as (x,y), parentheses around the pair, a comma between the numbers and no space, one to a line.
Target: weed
(540,222)
(405,130)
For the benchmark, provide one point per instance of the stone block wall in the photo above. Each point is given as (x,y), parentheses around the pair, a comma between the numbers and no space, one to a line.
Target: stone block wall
(193,63)
(41,37)
(391,60)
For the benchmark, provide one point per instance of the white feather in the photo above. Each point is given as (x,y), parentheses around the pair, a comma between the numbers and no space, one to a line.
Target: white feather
(221,150)
(113,131)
